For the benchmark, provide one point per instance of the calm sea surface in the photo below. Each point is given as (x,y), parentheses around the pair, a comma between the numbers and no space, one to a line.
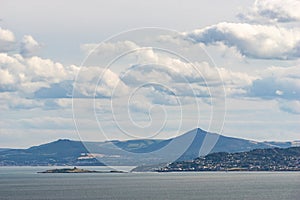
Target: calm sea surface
(24,183)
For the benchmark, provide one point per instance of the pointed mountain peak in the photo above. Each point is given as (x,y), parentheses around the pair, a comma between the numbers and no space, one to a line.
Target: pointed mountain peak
(193,133)
(63,140)
(199,130)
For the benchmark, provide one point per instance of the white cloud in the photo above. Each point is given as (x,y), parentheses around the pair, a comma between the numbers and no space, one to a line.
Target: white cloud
(32,79)
(6,77)
(162,77)
(188,79)
(278,83)
(98,82)
(256,41)
(290,106)
(13,101)
(48,70)
(66,103)
(155,66)
(273,10)
(106,52)
(108,48)
(7,40)
(29,46)
(279,92)
(28,75)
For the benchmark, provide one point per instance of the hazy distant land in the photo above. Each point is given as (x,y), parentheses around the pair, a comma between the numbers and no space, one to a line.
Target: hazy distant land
(142,152)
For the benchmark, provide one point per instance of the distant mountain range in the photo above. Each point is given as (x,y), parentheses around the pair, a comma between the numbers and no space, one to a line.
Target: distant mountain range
(60,152)
(190,145)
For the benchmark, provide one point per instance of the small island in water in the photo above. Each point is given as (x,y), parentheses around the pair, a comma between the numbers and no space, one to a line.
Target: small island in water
(77,170)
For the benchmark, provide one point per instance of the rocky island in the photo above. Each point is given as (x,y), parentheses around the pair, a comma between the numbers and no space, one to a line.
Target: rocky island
(77,170)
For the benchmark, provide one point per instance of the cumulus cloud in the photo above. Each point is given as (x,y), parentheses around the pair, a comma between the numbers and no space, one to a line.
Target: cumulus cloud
(278,83)
(37,78)
(104,53)
(273,11)
(29,46)
(12,100)
(153,66)
(7,40)
(196,79)
(28,75)
(256,41)
(186,80)
(156,68)
(98,82)
(34,77)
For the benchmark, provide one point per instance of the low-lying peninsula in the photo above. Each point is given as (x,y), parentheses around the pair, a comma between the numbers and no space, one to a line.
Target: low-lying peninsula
(276,159)
(77,170)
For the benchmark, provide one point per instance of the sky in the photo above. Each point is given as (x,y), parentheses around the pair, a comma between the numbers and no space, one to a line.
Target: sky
(106,70)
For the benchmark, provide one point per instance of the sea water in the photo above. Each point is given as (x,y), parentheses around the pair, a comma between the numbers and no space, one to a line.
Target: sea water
(25,183)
